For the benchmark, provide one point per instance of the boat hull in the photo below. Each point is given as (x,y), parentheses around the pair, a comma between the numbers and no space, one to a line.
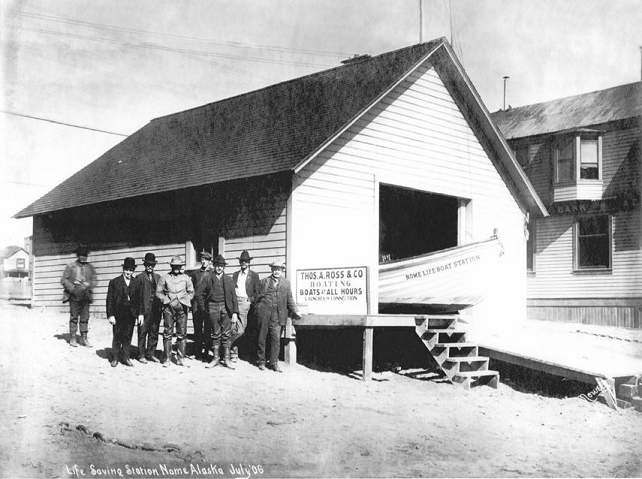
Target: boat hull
(441,282)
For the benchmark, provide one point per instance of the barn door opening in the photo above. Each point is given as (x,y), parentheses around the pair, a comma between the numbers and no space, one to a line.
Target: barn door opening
(413,222)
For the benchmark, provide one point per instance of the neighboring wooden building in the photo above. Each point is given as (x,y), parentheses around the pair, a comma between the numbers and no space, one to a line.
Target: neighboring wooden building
(393,154)
(582,154)
(14,272)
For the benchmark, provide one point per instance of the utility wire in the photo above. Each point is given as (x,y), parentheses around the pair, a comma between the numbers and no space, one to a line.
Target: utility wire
(62,123)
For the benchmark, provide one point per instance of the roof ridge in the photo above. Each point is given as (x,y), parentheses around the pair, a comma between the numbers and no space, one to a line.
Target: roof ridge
(322,72)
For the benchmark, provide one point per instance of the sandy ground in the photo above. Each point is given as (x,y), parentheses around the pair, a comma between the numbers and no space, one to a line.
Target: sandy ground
(306,422)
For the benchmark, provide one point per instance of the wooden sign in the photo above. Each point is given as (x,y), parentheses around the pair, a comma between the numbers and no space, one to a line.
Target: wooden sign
(332,290)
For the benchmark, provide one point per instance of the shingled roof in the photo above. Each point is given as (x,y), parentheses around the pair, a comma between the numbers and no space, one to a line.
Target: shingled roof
(262,132)
(598,107)
(272,130)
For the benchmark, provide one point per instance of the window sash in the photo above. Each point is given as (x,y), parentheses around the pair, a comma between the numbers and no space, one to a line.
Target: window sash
(593,242)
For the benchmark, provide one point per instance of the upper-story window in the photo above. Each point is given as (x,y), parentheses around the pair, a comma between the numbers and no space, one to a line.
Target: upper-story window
(578,157)
(20,263)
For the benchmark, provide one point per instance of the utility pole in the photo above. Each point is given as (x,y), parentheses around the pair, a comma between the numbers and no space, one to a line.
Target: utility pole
(421,21)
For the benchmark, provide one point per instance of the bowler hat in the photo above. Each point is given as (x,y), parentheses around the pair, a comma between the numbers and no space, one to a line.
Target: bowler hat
(219,260)
(206,255)
(277,264)
(129,263)
(82,251)
(150,258)
(245,256)
(177,261)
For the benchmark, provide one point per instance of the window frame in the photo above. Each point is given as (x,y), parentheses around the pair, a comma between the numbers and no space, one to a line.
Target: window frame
(576,138)
(577,268)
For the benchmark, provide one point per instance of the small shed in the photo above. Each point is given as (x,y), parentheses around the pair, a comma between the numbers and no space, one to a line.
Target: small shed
(14,272)
(389,154)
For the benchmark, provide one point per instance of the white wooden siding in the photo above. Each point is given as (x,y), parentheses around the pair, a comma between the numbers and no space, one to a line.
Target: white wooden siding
(417,138)
(48,292)
(554,276)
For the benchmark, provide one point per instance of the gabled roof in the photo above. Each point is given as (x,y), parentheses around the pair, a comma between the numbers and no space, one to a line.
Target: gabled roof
(9,251)
(598,107)
(272,130)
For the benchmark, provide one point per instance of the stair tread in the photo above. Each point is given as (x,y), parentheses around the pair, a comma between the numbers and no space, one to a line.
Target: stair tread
(477,373)
(450,331)
(464,359)
(455,345)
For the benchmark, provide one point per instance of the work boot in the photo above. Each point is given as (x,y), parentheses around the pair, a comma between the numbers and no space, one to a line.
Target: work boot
(72,335)
(216,361)
(226,358)
(234,354)
(84,341)
(167,345)
(180,353)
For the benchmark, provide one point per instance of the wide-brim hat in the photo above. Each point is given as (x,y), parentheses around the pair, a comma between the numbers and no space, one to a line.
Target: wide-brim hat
(277,264)
(219,260)
(129,263)
(206,255)
(177,261)
(150,258)
(245,256)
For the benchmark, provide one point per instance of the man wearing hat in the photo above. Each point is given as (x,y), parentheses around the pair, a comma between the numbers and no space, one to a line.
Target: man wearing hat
(78,282)
(200,317)
(246,284)
(121,312)
(273,305)
(223,309)
(175,290)
(149,310)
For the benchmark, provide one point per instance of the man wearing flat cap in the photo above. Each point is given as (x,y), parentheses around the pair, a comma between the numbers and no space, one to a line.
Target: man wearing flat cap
(200,316)
(246,284)
(175,290)
(121,312)
(149,310)
(78,281)
(223,309)
(273,306)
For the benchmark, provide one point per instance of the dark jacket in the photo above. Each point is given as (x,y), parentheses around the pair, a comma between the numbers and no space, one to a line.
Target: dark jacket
(71,282)
(199,278)
(231,304)
(121,301)
(252,283)
(145,292)
(281,299)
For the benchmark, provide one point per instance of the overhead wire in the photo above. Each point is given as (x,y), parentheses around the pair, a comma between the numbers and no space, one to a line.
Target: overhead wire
(61,123)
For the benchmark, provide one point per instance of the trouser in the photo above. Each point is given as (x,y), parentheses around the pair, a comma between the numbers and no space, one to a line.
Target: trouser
(148,334)
(269,326)
(238,328)
(175,316)
(123,331)
(220,324)
(79,313)
(200,320)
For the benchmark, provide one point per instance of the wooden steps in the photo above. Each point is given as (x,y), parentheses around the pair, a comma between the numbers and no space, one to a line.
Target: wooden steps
(458,359)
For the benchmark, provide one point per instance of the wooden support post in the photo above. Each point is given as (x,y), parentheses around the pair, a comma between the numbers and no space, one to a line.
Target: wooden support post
(607,386)
(290,343)
(368,334)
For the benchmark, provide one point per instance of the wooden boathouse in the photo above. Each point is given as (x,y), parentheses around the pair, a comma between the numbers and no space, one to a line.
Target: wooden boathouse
(385,156)
(582,154)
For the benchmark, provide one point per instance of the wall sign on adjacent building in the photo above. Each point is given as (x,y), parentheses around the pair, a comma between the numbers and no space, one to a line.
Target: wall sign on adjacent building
(333,290)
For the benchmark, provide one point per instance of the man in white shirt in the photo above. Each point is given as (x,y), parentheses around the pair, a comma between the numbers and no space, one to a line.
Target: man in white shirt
(246,283)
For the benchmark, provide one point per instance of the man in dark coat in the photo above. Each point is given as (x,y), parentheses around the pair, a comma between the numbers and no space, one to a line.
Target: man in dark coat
(78,281)
(223,309)
(246,284)
(149,310)
(200,316)
(273,306)
(121,312)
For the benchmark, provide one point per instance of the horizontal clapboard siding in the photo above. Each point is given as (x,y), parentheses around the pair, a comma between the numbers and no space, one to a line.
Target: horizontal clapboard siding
(47,290)
(264,249)
(416,137)
(554,276)
(620,166)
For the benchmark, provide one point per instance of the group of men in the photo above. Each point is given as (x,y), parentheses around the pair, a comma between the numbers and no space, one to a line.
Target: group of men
(221,305)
